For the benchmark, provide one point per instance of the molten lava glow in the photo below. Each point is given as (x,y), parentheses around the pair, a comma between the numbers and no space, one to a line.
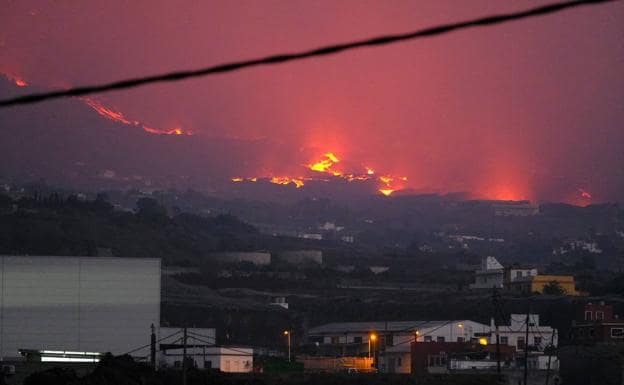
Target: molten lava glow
(20,82)
(585,194)
(284,180)
(325,165)
(110,113)
(119,117)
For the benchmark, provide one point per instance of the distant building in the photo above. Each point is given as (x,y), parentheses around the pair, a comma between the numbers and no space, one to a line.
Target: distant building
(515,274)
(537,283)
(297,257)
(280,301)
(515,209)
(314,236)
(596,324)
(255,258)
(491,275)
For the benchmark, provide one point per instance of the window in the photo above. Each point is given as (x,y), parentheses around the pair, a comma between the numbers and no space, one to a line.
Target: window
(357,340)
(617,332)
(518,274)
(428,339)
(521,343)
(440,339)
(177,364)
(588,315)
(227,366)
(460,339)
(335,340)
(207,364)
(537,341)
(389,340)
(399,363)
(504,340)
(599,315)
(591,332)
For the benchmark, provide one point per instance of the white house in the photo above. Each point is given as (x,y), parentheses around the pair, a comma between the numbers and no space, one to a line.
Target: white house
(201,351)
(514,334)
(491,275)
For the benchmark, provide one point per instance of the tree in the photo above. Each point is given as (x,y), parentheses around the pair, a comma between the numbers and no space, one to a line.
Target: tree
(553,288)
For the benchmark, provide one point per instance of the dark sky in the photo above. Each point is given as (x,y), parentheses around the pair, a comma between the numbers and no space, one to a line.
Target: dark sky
(530,109)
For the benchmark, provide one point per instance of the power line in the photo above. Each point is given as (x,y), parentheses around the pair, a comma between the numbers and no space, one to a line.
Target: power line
(148,345)
(282,58)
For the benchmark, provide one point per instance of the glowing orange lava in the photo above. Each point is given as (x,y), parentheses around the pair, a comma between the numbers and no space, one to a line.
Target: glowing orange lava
(325,165)
(119,117)
(284,180)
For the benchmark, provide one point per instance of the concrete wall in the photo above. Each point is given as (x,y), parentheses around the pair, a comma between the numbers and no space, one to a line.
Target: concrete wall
(77,303)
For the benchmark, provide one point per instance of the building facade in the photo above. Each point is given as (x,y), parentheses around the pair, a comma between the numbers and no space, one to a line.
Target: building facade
(514,334)
(596,324)
(490,275)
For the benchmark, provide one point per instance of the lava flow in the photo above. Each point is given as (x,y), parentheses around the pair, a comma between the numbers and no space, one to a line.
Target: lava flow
(119,117)
(327,164)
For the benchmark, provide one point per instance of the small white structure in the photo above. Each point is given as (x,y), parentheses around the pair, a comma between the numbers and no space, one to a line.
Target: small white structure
(515,274)
(201,351)
(280,301)
(491,275)
(296,257)
(225,359)
(241,256)
(514,334)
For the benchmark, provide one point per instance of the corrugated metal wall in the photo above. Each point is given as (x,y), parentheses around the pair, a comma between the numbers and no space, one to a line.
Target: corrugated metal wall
(77,303)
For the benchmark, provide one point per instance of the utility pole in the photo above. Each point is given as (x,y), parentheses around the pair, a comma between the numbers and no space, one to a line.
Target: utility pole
(552,345)
(153,348)
(184,357)
(495,303)
(526,349)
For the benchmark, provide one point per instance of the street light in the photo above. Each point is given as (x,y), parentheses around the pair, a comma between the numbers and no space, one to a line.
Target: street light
(371,338)
(287,334)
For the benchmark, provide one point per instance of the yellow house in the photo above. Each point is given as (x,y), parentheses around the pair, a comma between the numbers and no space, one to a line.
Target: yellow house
(565,281)
(536,284)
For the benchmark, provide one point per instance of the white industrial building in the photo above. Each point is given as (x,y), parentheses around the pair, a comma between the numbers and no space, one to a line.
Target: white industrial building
(79,304)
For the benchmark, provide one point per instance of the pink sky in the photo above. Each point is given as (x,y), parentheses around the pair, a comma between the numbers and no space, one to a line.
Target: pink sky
(529,109)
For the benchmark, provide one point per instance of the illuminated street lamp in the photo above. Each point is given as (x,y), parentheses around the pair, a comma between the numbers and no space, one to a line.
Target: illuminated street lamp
(288,334)
(371,339)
